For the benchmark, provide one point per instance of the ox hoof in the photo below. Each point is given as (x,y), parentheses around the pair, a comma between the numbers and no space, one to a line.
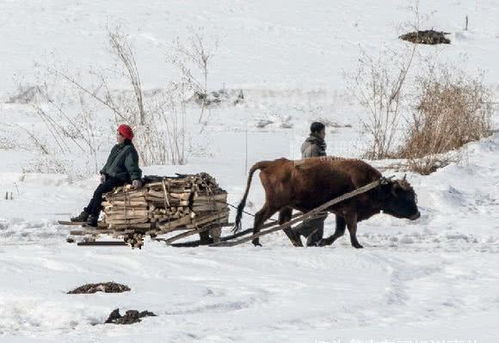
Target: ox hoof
(256,243)
(357,246)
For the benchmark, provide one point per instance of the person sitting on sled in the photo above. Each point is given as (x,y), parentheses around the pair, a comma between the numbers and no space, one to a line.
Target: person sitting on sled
(122,167)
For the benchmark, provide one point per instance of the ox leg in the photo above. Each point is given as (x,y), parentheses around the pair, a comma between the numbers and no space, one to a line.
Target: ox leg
(351,220)
(260,217)
(285,216)
(341,225)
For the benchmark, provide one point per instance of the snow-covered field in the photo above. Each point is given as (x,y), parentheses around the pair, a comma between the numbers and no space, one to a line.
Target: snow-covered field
(432,280)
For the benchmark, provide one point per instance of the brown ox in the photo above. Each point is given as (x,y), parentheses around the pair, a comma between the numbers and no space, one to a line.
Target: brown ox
(306,184)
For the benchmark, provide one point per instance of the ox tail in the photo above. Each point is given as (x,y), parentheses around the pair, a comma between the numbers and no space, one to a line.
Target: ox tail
(242,204)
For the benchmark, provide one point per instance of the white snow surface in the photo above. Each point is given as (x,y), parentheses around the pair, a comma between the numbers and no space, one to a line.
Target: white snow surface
(431,280)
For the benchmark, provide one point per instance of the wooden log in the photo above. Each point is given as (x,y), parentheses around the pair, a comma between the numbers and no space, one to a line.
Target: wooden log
(166,226)
(126,221)
(208,207)
(160,203)
(102,243)
(121,227)
(95,232)
(126,195)
(120,207)
(123,203)
(171,196)
(216,197)
(172,183)
(127,214)
(122,210)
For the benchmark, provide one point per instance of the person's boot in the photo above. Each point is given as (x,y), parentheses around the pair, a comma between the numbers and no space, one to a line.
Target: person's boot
(92,220)
(83,217)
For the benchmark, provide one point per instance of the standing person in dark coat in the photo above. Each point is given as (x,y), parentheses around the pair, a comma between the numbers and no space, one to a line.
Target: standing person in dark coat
(314,146)
(122,167)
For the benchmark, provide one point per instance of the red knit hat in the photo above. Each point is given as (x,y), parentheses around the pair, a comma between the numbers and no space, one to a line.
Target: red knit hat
(125,131)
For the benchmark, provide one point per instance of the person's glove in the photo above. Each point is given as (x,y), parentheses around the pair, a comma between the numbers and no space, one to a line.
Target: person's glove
(102,178)
(136,183)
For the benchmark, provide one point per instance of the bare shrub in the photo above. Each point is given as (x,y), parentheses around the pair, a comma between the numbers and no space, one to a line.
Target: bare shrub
(381,86)
(70,130)
(47,164)
(378,86)
(195,52)
(175,126)
(37,142)
(122,49)
(452,109)
(164,135)
(157,117)
(25,94)
(427,164)
(7,142)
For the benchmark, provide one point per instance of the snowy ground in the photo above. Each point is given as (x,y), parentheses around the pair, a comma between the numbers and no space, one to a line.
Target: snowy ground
(435,279)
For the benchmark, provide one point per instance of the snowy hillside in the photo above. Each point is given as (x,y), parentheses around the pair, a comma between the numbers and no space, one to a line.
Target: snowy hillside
(262,44)
(434,279)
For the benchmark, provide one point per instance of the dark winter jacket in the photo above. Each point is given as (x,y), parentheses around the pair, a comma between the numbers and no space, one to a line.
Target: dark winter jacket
(123,163)
(313,146)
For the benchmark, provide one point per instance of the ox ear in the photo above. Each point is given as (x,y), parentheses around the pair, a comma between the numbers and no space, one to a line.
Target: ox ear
(386,190)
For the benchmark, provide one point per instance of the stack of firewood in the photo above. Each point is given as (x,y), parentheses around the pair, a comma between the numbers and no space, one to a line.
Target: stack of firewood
(166,204)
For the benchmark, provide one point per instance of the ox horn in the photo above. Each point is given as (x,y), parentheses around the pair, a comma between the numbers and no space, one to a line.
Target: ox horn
(386,180)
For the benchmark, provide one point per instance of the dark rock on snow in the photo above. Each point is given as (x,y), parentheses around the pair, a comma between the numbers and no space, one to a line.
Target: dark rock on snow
(426,37)
(106,287)
(130,317)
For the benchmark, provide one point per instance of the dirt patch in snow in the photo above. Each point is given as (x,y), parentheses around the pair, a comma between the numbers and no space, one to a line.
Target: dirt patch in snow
(130,317)
(426,37)
(106,287)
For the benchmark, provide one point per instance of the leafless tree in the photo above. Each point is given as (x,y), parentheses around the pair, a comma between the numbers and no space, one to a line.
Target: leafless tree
(121,47)
(378,86)
(196,52)
(154,116)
